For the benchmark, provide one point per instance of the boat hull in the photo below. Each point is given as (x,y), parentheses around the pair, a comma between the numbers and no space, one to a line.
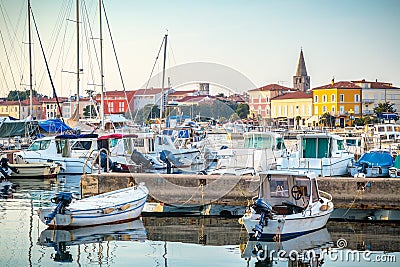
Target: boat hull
(291,226)
(91,211)
(36,170)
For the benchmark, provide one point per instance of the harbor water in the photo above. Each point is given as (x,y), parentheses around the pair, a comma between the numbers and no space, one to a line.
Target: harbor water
(174,241)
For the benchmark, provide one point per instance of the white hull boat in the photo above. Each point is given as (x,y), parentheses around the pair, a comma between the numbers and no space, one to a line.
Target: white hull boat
(112,207)
(322,153)
(289,204)
(36,170)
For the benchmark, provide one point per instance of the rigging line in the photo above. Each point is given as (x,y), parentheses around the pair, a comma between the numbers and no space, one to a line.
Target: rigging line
(86,25)
(11,37)
(152,70)
(116,57)
(54,37)
(47,66)
(8,61)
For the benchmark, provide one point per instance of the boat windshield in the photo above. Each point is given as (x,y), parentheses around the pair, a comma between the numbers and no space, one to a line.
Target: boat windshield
(279,187)
(317,148)
(39,145)
(258,141)
(81,145)
(340,145)
(113,142)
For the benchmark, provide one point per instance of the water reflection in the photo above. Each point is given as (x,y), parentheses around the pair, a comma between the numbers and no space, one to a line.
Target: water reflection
(304,250)
(61,239)
(171,241)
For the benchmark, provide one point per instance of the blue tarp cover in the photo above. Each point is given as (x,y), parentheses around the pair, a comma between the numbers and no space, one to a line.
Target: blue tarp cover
(54,126)
(382,159)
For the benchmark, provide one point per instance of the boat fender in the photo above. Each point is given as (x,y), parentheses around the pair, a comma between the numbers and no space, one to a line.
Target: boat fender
(108,210)
(125,207)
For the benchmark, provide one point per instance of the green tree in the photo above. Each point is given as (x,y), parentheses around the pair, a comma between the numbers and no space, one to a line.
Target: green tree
(90,111)
(150,111)
(242,110)
(384,107)
(328,120)
(15,95)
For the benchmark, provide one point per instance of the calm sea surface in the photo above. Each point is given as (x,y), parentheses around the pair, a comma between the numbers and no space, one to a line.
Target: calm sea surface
(188,241)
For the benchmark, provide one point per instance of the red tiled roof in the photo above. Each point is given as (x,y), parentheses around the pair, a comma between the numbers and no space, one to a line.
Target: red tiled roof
(194,98)
(339,85)
(25,102)
(150,91)
(272,87)
(294,95)
(182,92)
(377,85)
(53,100)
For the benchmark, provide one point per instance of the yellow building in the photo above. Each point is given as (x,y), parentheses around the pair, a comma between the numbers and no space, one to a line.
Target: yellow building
(341,99)
(292,109)
(19,109)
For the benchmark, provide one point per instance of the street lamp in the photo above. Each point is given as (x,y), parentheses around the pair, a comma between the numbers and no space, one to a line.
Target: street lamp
(351,112)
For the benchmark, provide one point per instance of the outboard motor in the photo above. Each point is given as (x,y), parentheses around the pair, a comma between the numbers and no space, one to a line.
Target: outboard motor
(62,199)
(265,209)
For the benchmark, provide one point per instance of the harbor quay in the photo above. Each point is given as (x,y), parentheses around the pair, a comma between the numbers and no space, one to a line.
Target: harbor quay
(196,190)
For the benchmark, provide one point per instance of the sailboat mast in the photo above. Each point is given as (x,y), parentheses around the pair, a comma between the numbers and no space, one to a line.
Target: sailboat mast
(30,60)
(101,70)
(77,56)
(162,106)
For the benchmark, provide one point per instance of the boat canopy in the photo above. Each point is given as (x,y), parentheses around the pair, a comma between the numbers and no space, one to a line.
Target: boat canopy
(116,136)
(54,126)
(18,128)
(397,162)
(376,158)
(76,136)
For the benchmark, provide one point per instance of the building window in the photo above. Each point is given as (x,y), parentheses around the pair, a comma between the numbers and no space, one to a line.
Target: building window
(267,99)
(121,106)
(279,110)
(315,110)
(356,109)
(376,96)
(111,107)
(48,106)
(315,99)
(324,98)
(383,96)
(341,98)
(393,97)
(324,109)
(266,111)
(333,98)
(356,98)
(333,109)
(341,110)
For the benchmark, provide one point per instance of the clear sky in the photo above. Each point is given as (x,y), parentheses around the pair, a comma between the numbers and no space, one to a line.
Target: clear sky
(347,39)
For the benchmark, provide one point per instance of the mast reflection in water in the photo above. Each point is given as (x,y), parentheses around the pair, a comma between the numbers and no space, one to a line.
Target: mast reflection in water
(155,241)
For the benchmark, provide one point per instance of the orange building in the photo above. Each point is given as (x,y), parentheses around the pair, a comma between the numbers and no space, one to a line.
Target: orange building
(340,99)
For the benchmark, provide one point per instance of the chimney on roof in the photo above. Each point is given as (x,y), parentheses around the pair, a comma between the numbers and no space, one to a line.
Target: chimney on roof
(376,80)
(333,80)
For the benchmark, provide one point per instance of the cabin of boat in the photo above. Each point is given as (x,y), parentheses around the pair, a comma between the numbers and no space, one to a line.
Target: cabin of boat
(289,203)
(323,153)
(387,133)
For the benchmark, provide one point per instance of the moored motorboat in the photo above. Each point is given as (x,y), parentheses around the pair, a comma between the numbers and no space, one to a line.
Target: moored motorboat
(288,204)
(374,163)
(112,207)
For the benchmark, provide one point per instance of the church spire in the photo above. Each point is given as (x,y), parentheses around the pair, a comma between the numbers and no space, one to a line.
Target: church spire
(301,81)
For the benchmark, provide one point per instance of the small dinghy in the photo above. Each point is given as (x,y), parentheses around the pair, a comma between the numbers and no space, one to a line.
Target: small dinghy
(113,207)
(289,204)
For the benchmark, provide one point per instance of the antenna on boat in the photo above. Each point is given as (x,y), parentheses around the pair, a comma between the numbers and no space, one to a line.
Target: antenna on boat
(30,60)
(77,55)
(101,71)
(162,104)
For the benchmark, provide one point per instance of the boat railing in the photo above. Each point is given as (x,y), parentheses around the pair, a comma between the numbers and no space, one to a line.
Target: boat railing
(325,195)
(97,158)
